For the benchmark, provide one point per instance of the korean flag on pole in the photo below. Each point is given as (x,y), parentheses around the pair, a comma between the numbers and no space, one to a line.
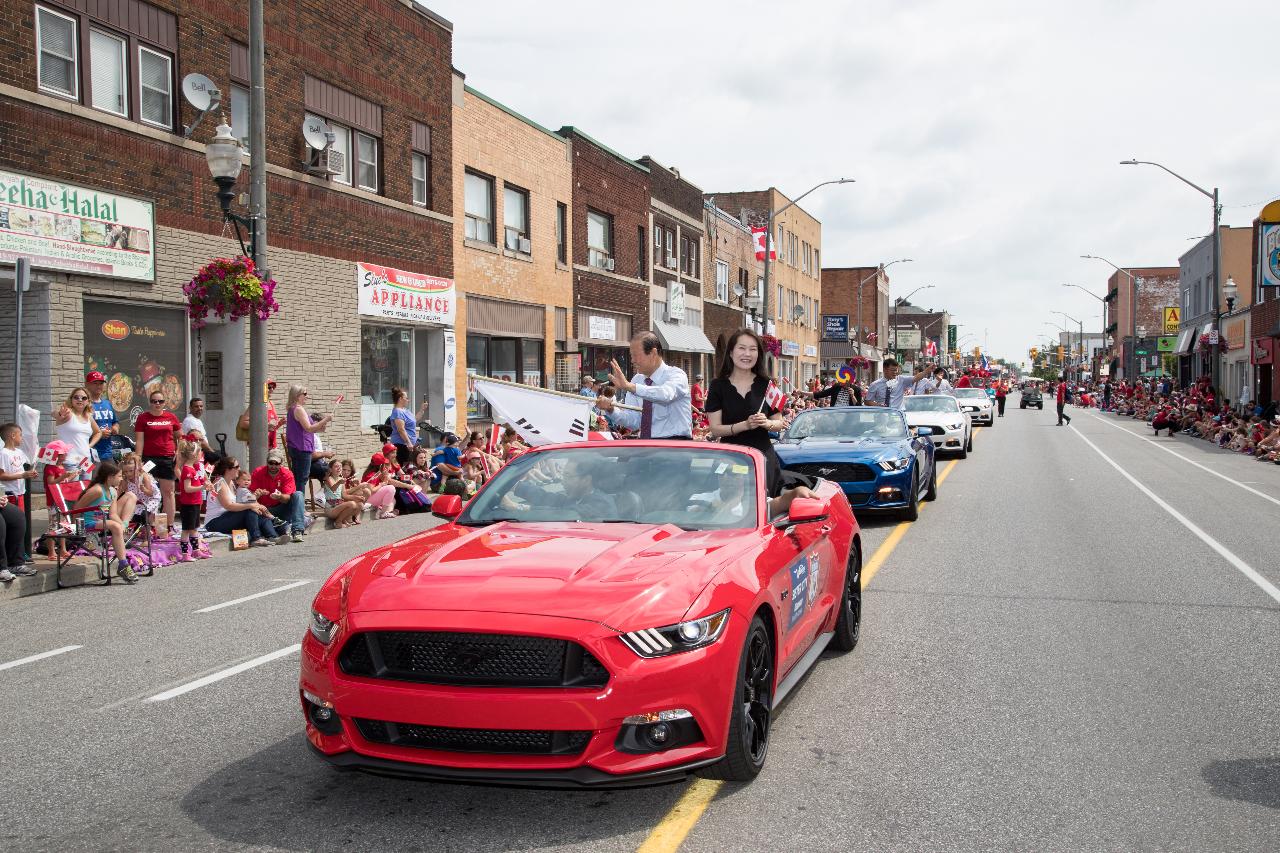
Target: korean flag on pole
(539,417)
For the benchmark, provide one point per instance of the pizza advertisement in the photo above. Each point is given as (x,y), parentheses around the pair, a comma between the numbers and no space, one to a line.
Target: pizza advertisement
(140,349)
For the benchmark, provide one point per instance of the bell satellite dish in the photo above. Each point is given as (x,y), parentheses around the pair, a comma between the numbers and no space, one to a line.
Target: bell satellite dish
(738,289)
(201,92)
(314,131)
(797,312)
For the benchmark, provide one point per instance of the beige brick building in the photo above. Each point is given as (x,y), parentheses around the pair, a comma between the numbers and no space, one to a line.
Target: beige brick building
(513,184)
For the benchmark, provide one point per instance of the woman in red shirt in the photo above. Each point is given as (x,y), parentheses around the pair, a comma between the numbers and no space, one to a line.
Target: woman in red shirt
(156,431)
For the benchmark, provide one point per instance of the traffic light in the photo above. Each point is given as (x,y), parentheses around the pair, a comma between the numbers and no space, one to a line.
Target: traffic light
(977,352)
(1060,359)
(1034,353)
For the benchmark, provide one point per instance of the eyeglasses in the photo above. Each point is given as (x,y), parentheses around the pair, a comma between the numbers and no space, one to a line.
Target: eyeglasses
(79,398)
(273,464)
(158,401)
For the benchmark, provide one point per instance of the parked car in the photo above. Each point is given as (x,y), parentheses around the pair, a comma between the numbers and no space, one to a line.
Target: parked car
(605,614)
(952,429)
(976,402)
(869,451)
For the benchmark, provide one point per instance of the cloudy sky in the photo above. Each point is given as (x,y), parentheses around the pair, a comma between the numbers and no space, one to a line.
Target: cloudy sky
(984,136)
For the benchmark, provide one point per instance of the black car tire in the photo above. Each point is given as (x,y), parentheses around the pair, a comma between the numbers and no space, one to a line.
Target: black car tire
(1022,405)
(849,623)
(966,446)
(1040,406)
(932,493)
(751,712)
(912,512)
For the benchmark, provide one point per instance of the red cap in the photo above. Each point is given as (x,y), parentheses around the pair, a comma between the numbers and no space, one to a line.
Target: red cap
(389,449)
(377,459)
(94,376)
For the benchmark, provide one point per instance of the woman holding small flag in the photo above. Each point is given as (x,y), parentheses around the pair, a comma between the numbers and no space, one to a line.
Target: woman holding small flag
(845,391)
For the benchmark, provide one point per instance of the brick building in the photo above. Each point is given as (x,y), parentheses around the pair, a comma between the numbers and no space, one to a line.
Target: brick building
(1264,314)
(931,326)
(1156,288)
(100,185)
(513,185)
(1195,281)
(795,277)
(676,270)
(609,228)
(734,279)
(841,289)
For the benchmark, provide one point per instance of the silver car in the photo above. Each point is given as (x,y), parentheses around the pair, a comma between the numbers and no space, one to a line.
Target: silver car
(952,428)
(981,408)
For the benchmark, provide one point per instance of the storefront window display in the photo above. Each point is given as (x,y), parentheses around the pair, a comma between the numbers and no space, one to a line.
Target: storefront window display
(140,349)
(386,360)
(509,359)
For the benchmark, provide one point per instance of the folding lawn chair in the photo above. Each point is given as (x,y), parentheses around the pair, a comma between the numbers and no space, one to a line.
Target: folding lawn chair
(86,529)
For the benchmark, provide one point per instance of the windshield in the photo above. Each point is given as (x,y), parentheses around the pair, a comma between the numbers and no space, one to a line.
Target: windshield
(847,423)
(694,489)
(970,392)
(931,403)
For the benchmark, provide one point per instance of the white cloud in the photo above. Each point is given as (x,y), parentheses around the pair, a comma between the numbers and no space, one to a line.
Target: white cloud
(984,136)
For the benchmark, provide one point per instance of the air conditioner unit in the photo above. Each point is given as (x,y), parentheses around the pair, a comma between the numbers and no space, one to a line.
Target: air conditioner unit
(326,161)
(608,264)
(525,245)
(671,262)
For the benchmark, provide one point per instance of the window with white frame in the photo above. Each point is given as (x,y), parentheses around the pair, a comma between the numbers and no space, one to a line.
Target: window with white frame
(367,162)
(515,218)
(155,87)
(341,146)
(722,281)
(57,68)
(107,73)
(478,201)
(421,180)
(240,113)
(599,239)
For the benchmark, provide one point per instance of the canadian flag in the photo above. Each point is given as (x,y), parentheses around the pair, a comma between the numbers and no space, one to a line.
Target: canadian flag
(774,398)
(931,348)
(758,234)
(495,440)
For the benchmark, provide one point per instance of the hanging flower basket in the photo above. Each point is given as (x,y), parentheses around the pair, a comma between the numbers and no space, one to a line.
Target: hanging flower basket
(859,361)
(231,289)
(772,344)
(1203,343)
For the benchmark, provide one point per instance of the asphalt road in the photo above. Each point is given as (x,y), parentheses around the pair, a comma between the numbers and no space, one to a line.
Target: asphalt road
(1052,658)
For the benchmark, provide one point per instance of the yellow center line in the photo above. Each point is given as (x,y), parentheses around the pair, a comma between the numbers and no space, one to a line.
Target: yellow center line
(676,825)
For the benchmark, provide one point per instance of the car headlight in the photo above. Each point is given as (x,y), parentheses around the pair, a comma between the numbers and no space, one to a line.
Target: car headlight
(681,637)
(895,464)
(323,628)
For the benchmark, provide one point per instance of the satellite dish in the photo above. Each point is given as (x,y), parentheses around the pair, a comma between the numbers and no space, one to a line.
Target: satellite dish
(738,289)
(316,133)
(797,312)
(200,92)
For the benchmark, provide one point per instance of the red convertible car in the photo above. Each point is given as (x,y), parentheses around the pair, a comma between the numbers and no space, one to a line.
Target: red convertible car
(612,613)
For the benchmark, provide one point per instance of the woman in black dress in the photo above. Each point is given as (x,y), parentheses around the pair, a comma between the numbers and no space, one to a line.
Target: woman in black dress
(738,414)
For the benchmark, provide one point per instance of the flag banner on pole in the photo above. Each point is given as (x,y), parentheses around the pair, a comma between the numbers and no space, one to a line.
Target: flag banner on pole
(540,417)
(495,440)
(931,349)
(774,398)
(757,234)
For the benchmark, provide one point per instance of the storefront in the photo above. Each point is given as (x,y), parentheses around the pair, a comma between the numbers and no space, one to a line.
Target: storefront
(406,341)
(602,336)
(1262,355)
(678,323)
(809,368)
(785,366)
(505,340)
(140,349)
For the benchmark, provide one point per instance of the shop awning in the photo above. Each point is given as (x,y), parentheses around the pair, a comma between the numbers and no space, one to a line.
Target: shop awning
(1186,340)
(838,349)
(683,338)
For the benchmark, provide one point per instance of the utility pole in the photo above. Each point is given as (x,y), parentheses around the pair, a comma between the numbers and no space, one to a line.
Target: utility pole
(258,212)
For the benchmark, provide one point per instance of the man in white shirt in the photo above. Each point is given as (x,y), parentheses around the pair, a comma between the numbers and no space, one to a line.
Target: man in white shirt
(663,391)
(890,389)
(942,386)
(192,424)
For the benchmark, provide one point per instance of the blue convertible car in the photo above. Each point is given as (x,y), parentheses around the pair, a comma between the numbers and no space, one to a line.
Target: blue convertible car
(869,451)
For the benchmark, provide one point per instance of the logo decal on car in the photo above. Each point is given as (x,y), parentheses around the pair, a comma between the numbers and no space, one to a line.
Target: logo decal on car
(467,656)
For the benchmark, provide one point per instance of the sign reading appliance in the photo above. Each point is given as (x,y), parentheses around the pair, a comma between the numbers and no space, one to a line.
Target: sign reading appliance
(75,229)
(398,295)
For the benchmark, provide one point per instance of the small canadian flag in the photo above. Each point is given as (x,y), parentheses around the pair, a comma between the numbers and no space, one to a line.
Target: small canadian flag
(774,398)
(930,348)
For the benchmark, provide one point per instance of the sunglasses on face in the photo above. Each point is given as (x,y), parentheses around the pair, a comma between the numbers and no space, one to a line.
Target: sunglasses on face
(273,464)
(79,399)
(159,402)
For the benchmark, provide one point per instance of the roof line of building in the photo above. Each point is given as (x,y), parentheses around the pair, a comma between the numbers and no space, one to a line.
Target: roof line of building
(569,130)
(506,109)
(439,20)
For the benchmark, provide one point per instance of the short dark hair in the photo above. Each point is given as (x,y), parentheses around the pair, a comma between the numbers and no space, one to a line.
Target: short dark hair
(6,430)
(194,400)
(649,341)
(890,361)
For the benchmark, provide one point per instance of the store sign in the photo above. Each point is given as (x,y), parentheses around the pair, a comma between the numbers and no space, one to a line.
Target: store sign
(1172,319)
(140,349)
(835,327)
(1270,254)
(410,297)
(1166,343)
(790,348)
(75,229)
(810,351)
(907,339)
(602,328)
(951,338)
(675,302)
(1263,351)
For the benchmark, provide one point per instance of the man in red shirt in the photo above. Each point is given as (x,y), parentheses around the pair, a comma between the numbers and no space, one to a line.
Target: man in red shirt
(273,486)
(1062,402)
(963,381)
(1002,392)
(698,394)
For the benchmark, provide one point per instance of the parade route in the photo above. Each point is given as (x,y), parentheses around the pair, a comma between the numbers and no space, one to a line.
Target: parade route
(1031,674)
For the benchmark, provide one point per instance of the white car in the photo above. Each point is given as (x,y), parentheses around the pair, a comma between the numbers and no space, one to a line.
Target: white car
(952,429)
(976,402)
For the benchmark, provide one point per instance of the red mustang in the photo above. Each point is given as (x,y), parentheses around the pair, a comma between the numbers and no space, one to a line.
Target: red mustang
(613,613)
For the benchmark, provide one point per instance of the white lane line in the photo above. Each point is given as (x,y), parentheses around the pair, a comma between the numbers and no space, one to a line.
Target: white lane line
(1245,569)
(1217,474)
(226,673)
(20,661)
(273,591)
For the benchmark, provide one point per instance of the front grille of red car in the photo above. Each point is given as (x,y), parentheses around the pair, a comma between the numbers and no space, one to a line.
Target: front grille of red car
(497,741)
(473,660)
(836,472)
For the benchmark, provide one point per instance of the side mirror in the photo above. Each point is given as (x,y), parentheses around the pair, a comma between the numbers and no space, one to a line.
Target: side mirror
(447,506)
(924,431)
(805,510)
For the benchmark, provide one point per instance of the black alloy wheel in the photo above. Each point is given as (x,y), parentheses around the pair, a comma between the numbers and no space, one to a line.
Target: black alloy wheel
(752,710)
(849,623)
(932,493)
(912,512)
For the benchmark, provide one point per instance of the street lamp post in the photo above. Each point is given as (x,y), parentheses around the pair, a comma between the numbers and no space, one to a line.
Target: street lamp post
(1103,340)
(768,236)
(878,271)
(1080,340)
(1133,309)
(1216,363)
(902,299)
